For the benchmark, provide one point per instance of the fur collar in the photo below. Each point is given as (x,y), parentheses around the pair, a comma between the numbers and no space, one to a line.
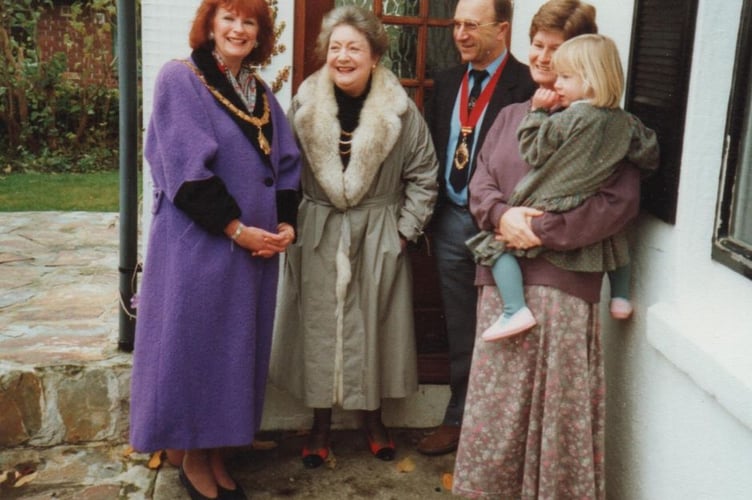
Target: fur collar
(319,131)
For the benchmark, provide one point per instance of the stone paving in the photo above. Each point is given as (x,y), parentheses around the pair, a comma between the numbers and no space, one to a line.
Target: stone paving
(64,388)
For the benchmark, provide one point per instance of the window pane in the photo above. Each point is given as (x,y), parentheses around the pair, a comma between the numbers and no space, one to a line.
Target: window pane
(401,7)
(442,8)
(401,56)
(741,216)
(440,53)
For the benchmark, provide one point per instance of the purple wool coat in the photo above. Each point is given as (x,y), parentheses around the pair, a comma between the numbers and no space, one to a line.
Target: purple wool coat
(206,306)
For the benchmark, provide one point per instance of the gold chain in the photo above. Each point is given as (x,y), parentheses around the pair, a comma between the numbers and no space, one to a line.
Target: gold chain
(257,122)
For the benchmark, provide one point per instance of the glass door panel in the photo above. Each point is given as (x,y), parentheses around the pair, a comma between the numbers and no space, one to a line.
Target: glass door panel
(401,57)
(400,7)
(442,8)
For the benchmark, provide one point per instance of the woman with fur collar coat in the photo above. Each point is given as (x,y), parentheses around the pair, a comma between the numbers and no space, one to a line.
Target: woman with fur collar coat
(344,334)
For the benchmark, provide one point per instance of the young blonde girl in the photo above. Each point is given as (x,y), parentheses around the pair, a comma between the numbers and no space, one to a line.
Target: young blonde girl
(573,137)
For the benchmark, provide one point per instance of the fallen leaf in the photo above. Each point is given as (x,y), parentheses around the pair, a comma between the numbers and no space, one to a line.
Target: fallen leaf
(447,480)
(155,462)
(263,445)
(406,465)
(25,479)
(331,461)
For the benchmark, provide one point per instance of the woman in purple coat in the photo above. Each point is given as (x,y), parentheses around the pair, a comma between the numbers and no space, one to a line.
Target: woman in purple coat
(225,169)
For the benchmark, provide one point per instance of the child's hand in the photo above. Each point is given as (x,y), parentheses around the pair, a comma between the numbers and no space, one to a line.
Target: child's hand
(544,99)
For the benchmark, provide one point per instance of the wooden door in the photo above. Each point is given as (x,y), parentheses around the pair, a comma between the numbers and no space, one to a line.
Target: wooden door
(421,44)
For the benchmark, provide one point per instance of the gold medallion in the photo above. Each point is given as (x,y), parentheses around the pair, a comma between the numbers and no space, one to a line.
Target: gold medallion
(461,155)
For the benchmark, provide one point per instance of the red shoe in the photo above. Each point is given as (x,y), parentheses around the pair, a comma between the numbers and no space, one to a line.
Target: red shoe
(383,452)
(315,458)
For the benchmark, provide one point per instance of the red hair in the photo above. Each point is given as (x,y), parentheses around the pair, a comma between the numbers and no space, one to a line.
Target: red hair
(258,9)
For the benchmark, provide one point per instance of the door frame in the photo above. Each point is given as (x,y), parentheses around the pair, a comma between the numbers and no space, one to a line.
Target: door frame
(308,16)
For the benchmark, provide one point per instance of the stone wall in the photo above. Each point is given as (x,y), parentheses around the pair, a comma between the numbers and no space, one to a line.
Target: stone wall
(53,29)
(65,404)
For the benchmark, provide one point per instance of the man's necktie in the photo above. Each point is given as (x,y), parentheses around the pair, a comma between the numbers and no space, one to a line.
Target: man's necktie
(459,174)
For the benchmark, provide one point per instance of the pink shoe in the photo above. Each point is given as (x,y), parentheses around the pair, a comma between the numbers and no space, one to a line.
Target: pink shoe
(620,308)
(505,327)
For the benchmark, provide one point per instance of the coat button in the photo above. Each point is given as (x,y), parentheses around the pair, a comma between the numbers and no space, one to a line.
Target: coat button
(269,182)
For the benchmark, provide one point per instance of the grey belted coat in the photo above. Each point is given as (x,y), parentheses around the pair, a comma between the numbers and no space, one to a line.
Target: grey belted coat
(344,331)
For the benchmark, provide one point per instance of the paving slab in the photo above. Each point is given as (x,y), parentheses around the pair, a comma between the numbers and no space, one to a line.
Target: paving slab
(92,472)
(58,287)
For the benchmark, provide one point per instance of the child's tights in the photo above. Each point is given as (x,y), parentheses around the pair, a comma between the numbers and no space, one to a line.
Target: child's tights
(508,276)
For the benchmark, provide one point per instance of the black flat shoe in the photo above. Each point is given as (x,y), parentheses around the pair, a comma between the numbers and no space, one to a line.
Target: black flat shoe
(192,491)
(236,494)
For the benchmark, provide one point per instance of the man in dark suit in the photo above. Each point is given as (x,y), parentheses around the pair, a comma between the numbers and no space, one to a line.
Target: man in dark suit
(465,101)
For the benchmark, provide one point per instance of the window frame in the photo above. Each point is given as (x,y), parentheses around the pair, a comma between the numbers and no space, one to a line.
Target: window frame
(726,249)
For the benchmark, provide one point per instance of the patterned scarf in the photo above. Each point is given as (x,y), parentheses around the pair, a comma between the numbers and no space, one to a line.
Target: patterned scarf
(244,84)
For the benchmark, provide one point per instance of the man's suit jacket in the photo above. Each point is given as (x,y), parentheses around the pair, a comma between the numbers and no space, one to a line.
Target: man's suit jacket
(514,85)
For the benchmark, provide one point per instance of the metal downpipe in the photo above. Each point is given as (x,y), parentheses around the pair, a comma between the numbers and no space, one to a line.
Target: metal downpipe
(128,168)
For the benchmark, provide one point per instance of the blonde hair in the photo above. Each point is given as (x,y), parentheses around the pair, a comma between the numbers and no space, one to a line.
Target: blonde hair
(595,59)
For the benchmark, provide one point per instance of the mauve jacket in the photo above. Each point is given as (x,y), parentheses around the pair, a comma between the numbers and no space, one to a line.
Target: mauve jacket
(499,168)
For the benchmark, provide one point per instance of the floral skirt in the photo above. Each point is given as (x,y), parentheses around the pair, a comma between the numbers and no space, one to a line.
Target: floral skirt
(533,426)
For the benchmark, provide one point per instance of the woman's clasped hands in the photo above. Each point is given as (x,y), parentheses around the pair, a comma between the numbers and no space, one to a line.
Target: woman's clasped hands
(266,244)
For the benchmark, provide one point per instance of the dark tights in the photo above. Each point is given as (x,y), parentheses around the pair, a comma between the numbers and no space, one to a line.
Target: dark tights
(322,425)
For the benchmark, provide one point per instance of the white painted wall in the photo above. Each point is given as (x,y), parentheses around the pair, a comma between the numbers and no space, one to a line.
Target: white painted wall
(679,373)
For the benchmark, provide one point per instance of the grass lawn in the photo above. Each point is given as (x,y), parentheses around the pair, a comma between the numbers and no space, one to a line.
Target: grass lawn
(94,192)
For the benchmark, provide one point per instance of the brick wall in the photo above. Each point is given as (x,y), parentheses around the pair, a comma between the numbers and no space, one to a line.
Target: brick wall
(87,67)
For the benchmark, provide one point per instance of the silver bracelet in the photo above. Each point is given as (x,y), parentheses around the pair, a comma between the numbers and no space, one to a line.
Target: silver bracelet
(238,230)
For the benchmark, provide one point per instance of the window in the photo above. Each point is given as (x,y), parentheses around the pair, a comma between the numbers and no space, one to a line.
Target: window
(659,70)
(732,242)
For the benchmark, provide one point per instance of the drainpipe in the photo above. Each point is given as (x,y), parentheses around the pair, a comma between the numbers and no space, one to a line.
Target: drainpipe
(127,76)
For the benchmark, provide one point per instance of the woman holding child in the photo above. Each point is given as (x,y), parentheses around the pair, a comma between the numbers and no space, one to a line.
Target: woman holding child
(534,418)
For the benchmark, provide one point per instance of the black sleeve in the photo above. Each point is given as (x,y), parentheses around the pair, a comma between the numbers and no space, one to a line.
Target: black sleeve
(287,207)
(208,203)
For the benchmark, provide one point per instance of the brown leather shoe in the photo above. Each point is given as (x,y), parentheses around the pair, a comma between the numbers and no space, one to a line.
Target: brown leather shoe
(442,440)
